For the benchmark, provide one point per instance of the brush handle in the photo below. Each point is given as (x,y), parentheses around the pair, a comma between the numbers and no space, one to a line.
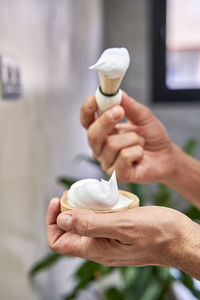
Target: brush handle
(104,102)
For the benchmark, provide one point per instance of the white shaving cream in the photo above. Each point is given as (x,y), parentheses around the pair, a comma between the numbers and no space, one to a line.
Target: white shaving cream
(97,195)
(113,62)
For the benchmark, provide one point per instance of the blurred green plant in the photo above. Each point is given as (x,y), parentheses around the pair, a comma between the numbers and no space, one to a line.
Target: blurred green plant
(144,283)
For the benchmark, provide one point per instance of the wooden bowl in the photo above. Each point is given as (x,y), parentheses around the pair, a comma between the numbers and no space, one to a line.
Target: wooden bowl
(64,205)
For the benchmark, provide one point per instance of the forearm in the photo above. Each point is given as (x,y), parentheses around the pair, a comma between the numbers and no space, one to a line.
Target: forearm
(185,251)
(186,177)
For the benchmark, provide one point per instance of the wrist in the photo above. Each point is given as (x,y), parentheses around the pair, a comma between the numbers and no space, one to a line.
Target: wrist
(184,253)
(178,245)
(177,156)
(185,177)
(172,239)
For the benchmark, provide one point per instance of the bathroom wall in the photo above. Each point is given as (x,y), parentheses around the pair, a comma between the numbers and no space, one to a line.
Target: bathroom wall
(128,23)
(54,42)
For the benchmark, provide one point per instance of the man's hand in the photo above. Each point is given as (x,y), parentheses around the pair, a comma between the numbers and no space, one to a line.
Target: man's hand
(139,150)
(139,236)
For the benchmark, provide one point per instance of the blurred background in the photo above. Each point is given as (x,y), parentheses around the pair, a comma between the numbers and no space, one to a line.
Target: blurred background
(46,48)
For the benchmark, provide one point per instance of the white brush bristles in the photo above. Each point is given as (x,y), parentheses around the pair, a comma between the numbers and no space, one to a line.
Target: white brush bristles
(109,86)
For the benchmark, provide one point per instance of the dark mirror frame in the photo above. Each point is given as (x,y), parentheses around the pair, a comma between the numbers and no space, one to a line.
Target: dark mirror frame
(160,92)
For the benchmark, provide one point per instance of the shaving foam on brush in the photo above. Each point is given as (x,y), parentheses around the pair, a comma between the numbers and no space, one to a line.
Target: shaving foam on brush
(111,67)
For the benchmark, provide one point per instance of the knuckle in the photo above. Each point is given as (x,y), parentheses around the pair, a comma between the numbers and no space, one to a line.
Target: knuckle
(89,105)
(141,141)
(134,137)
(125,230)
(146,112)
(53,247)
(124,153)
(110,143)
(92,138)
(139,150)
(106,117)
(83,226)
(70,250)
(51,243)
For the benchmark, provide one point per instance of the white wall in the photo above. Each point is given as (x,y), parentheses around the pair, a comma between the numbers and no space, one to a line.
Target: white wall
(54,43)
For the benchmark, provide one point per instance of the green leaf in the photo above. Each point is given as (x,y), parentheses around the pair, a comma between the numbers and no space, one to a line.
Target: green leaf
(163,273)
(113,294)
(162,196)
(149,283)
(165,290)
(87,273)
(137,190)
(164,277)
(44,263)
(135,289)
(91,270)
(190,146)
(129,274)
(67,182)
(193,213)
(152,290)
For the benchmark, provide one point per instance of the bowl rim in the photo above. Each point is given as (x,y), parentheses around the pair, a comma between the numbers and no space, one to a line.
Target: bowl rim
(65,206)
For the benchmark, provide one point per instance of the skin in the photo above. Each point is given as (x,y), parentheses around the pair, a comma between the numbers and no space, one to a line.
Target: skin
(140,150)
(131,148)
(135,237)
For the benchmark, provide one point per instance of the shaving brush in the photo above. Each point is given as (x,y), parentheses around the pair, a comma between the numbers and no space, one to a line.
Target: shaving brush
(111,67)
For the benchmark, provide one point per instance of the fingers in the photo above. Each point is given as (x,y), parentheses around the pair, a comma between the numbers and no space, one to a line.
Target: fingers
(89,235)
(53,211)
(126,127)
(86,223)
(139,114)
(102,127)
(68,244)
(88,110)
(53,231)
(61,242)
(116,143)
(124,163)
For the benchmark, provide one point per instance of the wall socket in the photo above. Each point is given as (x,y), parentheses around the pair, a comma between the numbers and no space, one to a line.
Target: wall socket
(10,78)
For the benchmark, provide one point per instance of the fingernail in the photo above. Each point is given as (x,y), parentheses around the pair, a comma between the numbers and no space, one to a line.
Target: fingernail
(66,222)
(90,103)
(114,113)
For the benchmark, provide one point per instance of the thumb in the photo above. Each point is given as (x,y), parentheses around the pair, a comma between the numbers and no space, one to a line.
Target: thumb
(90,224)
(137,113)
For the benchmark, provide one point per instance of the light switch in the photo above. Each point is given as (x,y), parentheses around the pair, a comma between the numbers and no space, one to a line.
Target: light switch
(10,78)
